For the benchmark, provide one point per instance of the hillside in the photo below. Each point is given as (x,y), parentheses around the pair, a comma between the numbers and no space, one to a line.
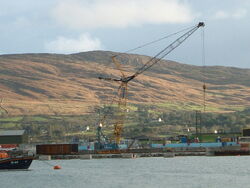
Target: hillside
(69,84)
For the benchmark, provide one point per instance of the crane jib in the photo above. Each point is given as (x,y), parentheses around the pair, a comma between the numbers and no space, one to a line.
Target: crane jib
(167,50)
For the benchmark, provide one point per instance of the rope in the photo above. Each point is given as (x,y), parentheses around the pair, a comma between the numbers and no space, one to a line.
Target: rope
(204,87)
(203,68)
(155,41)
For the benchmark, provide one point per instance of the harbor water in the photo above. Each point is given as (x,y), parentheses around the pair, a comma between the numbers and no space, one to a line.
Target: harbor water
(177,172)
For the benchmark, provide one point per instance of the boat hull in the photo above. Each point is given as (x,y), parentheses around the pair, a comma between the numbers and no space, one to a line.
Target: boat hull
(15,163)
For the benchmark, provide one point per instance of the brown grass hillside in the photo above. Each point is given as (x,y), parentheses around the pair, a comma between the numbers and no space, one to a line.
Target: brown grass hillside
(69,84)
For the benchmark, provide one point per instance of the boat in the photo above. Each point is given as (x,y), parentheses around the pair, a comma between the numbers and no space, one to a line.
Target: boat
(8,162)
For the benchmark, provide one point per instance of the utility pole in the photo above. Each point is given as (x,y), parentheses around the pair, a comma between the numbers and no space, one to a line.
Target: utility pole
(200,125)
(196,123)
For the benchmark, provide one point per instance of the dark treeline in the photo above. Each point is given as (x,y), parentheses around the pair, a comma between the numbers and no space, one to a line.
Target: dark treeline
(140,121)
(155,121)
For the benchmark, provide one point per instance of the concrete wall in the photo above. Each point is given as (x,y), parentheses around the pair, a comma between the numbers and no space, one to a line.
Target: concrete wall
(201,144)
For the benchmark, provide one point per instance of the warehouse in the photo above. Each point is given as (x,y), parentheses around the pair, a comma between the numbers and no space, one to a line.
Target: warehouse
(13,137)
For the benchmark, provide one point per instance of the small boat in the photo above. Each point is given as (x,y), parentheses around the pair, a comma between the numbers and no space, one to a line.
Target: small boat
(15,162)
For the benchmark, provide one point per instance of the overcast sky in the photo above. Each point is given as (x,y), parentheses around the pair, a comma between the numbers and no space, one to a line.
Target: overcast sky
(71,26)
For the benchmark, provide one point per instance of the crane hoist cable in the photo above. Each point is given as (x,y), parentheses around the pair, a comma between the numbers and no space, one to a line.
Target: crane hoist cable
(204,87)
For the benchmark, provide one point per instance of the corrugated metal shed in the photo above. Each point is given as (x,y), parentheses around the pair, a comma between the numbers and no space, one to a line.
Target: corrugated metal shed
(13,137)
(12,133)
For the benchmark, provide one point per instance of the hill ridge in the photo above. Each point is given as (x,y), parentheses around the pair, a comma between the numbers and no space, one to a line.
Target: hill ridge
(42,78)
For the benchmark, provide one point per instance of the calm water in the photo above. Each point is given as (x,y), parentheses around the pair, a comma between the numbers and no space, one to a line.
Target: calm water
(136,173)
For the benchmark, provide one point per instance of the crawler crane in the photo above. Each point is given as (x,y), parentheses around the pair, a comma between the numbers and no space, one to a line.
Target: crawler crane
(124,79)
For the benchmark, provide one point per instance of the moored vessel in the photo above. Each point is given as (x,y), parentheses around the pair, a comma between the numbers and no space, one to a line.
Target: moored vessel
(8,162)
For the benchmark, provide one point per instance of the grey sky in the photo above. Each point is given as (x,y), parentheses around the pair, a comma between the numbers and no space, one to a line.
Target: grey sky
(70,26)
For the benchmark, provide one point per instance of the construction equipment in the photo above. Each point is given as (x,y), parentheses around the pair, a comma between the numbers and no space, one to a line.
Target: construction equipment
(124,79)
(102,141)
